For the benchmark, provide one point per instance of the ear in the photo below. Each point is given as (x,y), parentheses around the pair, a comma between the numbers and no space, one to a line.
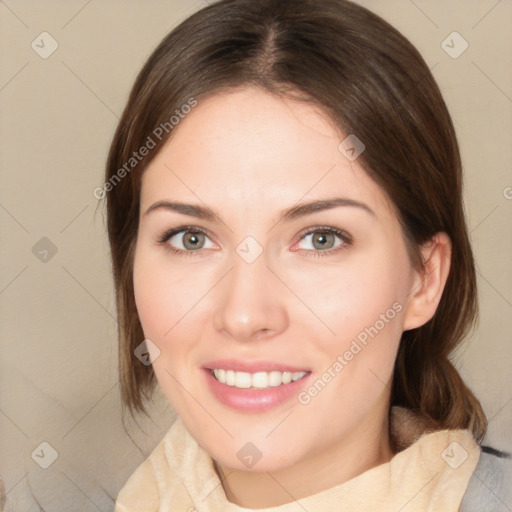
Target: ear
(427,286)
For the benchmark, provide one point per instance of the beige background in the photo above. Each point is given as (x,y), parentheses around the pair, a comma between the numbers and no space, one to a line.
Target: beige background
(58,354)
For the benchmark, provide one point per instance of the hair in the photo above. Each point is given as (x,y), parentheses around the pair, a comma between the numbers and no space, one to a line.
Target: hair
(368,80)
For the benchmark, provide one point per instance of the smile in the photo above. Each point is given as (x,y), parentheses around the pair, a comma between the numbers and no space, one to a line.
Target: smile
(258,380)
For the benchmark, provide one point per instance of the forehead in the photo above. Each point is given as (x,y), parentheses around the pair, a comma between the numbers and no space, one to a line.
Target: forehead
(247,146)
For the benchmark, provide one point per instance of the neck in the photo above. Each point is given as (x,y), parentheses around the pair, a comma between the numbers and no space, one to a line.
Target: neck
(367,446)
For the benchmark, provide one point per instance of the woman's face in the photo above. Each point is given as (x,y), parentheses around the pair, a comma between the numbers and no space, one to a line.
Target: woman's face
(322,290)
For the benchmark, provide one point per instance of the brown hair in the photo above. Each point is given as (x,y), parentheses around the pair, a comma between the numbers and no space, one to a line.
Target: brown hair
(370,81)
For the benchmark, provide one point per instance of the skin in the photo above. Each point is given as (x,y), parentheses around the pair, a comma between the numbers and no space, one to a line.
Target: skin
(248,155)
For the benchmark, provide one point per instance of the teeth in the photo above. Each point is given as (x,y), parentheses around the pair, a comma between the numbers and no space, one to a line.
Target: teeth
(259,380)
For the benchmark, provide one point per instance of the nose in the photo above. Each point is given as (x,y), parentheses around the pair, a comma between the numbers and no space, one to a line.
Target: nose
(250,303)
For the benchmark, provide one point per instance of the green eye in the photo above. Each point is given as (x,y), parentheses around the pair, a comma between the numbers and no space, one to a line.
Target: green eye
(324,241)
(185,239)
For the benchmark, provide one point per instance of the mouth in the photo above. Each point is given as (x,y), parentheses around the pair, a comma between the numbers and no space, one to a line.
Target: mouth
(254,387)
(257,380)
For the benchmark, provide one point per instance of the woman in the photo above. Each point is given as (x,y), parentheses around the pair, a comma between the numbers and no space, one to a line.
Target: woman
(292,267)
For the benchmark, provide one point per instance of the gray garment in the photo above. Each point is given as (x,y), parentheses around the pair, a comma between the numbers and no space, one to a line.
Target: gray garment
(490,487)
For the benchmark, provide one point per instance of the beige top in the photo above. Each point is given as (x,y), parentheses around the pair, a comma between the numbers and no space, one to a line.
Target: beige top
(430,474)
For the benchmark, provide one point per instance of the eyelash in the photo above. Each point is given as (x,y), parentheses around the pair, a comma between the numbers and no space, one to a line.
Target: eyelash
(345,238)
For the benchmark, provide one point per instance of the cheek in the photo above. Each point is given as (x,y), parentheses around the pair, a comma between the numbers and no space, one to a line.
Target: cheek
(362,303)
(150,298)
(159,297)
(163,294)
(351,296)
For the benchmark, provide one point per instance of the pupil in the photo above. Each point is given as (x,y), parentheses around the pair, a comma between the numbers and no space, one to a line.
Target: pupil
(191,239)
(322,239)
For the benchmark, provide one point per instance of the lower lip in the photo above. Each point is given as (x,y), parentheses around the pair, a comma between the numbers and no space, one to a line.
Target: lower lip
(253,400)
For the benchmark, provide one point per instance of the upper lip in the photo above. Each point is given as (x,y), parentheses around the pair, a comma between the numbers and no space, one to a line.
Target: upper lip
(252,366)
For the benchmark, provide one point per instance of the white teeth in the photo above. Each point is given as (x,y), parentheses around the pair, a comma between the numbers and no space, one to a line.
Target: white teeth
(259,380)
(242,380)
(230,378)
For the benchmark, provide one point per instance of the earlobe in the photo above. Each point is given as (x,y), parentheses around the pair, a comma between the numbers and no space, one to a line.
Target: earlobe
(428,285)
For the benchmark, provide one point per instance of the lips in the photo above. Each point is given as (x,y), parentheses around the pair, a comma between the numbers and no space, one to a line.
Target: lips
(253,400)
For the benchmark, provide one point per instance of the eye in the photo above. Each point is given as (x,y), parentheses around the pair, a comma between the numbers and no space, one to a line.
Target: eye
(186,239)
(324,239)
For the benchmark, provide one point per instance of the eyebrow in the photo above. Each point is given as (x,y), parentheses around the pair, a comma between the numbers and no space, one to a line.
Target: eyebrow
(295,212)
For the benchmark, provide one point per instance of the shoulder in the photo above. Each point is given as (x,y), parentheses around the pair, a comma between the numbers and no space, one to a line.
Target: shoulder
(141,491)
(490,486)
